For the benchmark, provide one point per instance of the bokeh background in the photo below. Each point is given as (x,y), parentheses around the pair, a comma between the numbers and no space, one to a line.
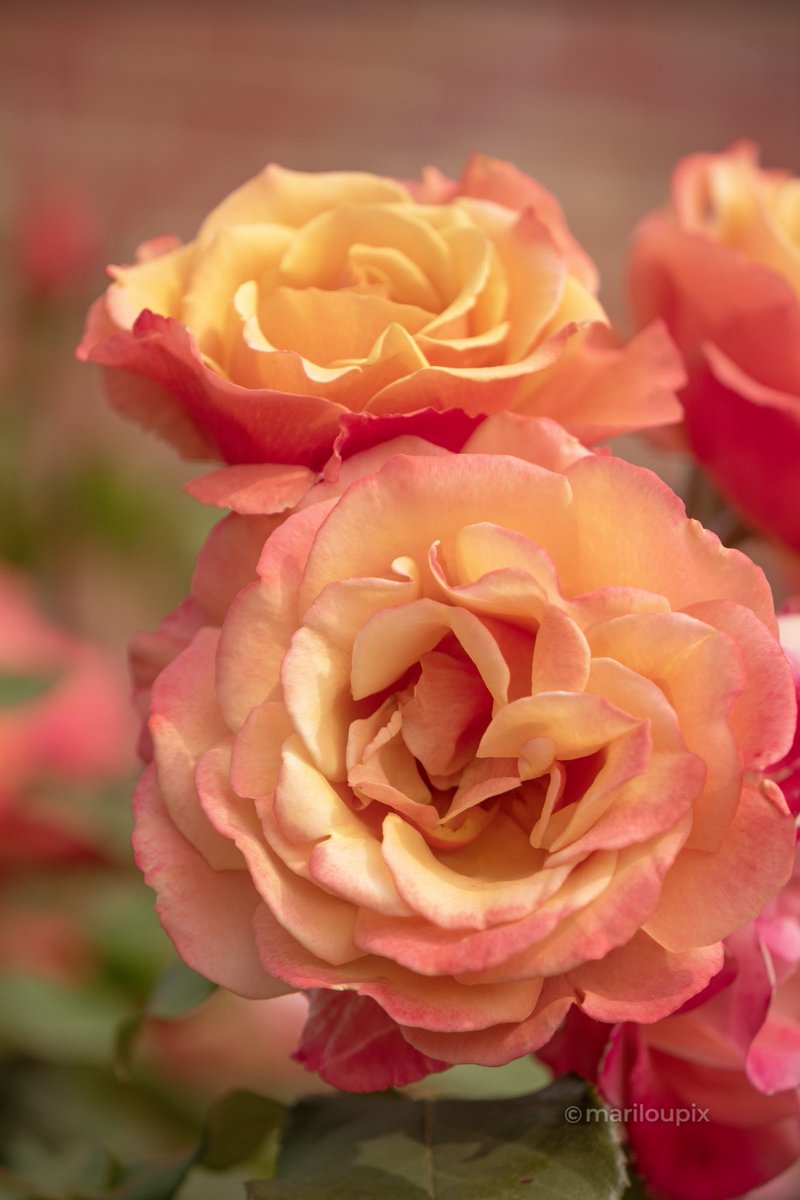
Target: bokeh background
(120,121)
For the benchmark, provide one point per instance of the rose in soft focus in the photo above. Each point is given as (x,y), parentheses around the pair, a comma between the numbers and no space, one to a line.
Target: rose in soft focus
(56,240)
(721,265)
(735,1057)
(231,1043)
(482,740)
(64,721)
(305,297)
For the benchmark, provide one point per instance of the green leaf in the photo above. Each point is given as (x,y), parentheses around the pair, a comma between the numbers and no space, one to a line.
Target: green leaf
(157,1180)
(57,1022)
(235,1127)
(525,1148)
(177,992)
(22,689)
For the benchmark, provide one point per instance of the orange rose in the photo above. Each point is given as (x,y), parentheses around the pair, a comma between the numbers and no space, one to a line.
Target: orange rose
(305,298)
(484,738)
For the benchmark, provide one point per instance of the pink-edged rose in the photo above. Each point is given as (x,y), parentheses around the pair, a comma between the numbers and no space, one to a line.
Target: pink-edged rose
(306,297)
(721,265)
(482,739)
(729,1063)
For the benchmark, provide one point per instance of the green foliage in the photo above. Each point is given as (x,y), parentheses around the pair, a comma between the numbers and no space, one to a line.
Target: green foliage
(23,689)
(177,992)
(234,1129)
(360,1147)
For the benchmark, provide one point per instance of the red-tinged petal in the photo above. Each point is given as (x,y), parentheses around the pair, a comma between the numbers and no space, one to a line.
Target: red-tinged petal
(641,981)
(496,954)
(606,920)
(448,428)
(261,621)
(442,1004)
(747,435)
(763,717)
(321,923)
(708,894)
(253,488)
(773,1064)
(577,1047)
(599,389)
(352,1044)
(537,440)
(227,562)
(207,913)
(486,178)
(500,1044)
(155,374)
(707,292)
(708,1157)
(185,722)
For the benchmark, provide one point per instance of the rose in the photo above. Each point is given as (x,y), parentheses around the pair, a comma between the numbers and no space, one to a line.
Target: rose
(232,1043)
(721,265)
(463,756)
(55,241)
(64,720)
(730,1063)
(63,716)
(307,297)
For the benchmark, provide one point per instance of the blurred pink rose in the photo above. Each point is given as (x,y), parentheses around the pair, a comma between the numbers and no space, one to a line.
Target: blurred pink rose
(460,755)
(75,724)
(231,1043)
(721,266)
(64,720)
(305,297)
(56,240)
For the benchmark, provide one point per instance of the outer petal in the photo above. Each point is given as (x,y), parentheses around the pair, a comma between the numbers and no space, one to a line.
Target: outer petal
(640,981)
(709,895)
(352,1044)
(748,436)
(599,389)
(207,913)
(156,375)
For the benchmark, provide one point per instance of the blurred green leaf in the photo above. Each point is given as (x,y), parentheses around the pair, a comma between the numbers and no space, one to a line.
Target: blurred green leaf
(157,1180)
(65,1129)
(468,1082)
(22,689)
(359,1147)
(235,1127)
(56,1021)
(177,992)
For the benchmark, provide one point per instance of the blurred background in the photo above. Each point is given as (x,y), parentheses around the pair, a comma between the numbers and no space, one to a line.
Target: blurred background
(122,121)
